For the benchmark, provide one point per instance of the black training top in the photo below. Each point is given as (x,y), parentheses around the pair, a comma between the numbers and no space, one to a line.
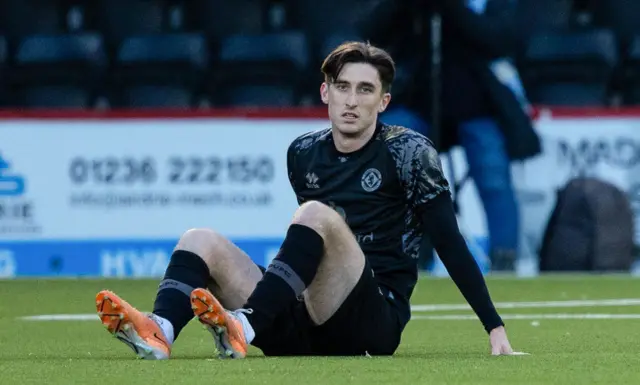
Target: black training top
(385,192)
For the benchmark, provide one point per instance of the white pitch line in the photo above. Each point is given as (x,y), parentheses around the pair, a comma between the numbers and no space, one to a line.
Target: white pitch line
(419,308)
(460,317)
(535,305)
(450,317)
(61,317)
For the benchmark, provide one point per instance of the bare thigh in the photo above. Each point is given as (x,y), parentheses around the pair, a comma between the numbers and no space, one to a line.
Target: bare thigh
(234,275)
(341,266)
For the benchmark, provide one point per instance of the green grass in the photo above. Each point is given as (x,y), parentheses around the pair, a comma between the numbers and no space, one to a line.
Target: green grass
(432,351)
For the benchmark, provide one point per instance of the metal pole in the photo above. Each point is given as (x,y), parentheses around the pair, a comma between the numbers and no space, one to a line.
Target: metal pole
(436,79)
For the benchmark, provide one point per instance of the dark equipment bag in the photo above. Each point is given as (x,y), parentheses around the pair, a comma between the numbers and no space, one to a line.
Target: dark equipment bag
(590,229)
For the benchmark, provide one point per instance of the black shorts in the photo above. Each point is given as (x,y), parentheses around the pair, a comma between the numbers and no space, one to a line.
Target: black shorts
(367,322)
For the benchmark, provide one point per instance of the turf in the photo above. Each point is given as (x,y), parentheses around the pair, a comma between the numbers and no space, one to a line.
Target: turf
(566,351)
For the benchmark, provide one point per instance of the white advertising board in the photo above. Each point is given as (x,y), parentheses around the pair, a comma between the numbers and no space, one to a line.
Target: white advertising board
(146,178)
(606,147)
(110,197)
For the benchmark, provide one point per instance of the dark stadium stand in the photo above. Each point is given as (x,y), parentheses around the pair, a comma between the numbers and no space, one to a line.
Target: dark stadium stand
(3,64)
(543,15)
(61,70)
(320,18)
(631,80)
(192,53)
(570,68)
(21,18)
(118,19)
(156,96)
(266,69)
(619,15)
(154,70)
(221,18)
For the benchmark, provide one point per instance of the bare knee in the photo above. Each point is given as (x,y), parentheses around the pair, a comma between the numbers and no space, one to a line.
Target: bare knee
(318,216)
(205,243)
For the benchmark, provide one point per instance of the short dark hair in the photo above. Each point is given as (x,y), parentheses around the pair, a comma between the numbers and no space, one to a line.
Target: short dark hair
(359,52)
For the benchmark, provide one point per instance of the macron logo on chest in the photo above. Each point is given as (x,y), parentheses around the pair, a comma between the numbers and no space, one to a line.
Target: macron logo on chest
(312,180)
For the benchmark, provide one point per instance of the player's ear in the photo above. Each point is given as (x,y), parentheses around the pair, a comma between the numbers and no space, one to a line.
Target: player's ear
(386,99)
(324,92)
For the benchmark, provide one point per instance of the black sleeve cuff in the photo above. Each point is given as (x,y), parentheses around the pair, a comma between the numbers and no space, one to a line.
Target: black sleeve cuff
(442,228)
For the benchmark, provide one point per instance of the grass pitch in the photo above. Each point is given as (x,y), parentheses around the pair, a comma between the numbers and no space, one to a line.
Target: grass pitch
(582,339)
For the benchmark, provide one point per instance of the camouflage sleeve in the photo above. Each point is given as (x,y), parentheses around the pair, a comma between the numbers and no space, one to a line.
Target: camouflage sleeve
(419,168)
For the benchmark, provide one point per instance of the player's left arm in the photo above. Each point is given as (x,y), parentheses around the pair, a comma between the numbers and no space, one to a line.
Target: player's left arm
(428,193)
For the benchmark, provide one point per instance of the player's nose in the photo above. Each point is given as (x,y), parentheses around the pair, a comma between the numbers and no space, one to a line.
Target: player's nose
(352,100)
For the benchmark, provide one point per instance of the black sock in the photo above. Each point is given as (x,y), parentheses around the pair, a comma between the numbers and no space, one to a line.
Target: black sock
(186,271)
(291,271)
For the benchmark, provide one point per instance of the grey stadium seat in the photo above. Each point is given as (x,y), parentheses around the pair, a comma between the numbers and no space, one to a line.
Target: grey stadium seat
(50,65)
(221,18)
(20,18)
(631,85)
(117,20)
(160,70)
(267,60)
(570,68)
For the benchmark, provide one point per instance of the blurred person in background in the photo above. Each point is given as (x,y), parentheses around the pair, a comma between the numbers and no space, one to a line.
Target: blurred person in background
(482,103)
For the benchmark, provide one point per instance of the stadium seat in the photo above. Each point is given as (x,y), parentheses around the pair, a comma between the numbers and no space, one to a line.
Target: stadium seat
(330,42)
(57,63)
(289,48)
(4,57)
(537,16)
(54,97)
(166,57)
(317,18)
(266,60)
(119,19)
(51,57)
(221,18)
(570,68)
(20,18)
(631,85)
(156,97)
(171,64)
(543,15)
(261,96)
(619,15)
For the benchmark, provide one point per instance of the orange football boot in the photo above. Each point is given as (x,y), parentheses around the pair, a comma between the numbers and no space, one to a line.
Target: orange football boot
(136,329)
(225,326)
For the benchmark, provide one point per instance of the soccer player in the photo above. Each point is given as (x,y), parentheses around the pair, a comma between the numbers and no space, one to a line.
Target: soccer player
(342,279)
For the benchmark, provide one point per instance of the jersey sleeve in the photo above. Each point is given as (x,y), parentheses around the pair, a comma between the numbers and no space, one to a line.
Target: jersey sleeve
(419,168)
(291,173)
(290,165)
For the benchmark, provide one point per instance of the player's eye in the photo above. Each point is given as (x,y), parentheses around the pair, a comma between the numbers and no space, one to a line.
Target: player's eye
(366,89)
(341,87)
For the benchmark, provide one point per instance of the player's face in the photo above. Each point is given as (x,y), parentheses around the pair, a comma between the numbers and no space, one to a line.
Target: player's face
(355,99)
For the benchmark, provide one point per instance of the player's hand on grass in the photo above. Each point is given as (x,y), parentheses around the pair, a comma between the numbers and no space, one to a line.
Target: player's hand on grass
(499,342)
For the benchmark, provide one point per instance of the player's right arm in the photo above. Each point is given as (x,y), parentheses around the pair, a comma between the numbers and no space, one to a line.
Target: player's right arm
(291,174)
(297,150)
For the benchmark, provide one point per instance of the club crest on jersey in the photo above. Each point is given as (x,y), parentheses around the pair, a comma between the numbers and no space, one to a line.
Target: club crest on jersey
(371,180)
